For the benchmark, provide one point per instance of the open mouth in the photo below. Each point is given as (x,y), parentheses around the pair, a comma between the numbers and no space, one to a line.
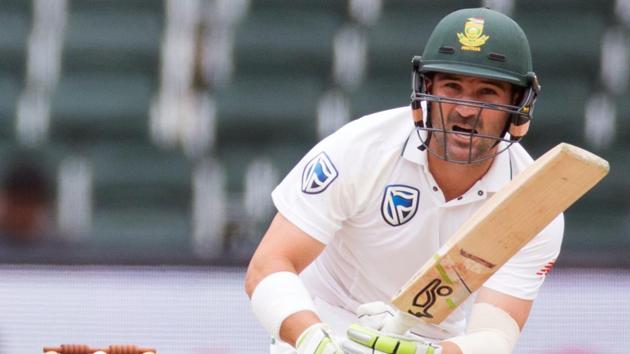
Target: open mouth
(460,129)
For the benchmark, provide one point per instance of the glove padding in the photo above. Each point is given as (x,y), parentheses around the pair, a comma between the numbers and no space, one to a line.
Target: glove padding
(367,337)
(364,340)
(317,339)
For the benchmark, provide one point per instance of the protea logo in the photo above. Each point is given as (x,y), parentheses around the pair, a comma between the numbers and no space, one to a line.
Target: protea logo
(473,36)
(318,174)
(400,204)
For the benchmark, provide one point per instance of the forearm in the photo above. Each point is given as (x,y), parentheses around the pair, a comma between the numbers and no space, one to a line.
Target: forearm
(259,268)
(295,325)
(286,310)
(282,304)
(284,248)
(280,300)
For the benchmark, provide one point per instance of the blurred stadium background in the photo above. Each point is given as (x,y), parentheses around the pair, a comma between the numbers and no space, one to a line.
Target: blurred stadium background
(164,126)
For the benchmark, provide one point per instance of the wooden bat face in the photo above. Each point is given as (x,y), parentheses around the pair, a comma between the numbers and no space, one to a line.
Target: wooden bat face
(498,230)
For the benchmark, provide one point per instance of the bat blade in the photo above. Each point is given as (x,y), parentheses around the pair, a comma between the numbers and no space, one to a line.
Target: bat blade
(498,230)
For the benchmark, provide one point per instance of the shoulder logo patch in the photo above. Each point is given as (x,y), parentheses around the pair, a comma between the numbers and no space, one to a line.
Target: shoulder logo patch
(400,204)
(318,174)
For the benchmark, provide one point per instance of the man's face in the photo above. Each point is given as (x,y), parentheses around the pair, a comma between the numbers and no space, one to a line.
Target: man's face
(466,119)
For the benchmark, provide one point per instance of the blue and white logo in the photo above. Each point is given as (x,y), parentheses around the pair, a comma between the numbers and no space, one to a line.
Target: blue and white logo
(400,204)
(318,174)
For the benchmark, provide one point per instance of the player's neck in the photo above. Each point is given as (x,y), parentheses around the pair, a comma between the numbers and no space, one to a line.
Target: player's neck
(455,179)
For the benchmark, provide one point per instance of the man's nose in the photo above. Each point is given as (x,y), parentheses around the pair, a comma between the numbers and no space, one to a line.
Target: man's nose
(467,111)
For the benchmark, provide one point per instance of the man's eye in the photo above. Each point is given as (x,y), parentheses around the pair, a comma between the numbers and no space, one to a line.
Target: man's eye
(488,91)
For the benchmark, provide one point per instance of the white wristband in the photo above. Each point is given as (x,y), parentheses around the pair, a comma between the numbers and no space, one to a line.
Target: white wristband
(491,329)
(278,296)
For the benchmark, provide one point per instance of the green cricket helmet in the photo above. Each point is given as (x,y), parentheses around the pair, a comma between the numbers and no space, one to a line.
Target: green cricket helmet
(483,43)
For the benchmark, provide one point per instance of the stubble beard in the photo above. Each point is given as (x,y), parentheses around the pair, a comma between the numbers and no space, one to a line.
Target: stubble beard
(460,147)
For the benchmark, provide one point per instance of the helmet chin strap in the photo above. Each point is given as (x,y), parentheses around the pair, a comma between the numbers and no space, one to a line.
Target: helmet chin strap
(419,117)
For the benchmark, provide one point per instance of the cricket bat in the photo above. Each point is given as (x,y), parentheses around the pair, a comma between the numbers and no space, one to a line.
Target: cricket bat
(495,232)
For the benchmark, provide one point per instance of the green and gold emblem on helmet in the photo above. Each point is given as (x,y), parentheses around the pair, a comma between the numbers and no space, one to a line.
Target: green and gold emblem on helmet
(473,36)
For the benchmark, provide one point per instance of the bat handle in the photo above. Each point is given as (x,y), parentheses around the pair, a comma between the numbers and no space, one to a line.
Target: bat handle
(400,323)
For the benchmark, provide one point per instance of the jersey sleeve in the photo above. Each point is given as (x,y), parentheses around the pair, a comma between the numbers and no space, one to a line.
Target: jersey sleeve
(316,195)
(523,275)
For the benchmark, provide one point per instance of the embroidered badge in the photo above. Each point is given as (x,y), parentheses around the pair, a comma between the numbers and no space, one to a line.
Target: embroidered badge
(400,204)
(318,174)
(473,38)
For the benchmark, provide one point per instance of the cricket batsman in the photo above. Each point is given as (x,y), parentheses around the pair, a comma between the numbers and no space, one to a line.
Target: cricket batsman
(367,206)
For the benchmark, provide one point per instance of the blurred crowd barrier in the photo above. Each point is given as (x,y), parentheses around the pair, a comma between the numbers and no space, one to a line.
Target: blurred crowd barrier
(161,127)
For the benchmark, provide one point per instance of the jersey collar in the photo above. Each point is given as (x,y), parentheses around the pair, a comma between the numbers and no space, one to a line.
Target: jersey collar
(498,175)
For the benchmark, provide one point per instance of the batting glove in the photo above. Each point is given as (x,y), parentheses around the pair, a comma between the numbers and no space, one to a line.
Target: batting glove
(364,340)
(317,339)
(368,337)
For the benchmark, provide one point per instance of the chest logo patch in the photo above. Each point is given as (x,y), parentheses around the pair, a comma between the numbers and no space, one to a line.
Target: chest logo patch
(400,204)
(318,174)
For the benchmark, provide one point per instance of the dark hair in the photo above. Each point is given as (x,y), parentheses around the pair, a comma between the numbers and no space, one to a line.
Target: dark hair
(27,180)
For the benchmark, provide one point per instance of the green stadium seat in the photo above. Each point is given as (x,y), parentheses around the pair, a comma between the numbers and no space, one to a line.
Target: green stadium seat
(116,36)
(140,228)
(287,40)
(128,174)
(304,6)
(255,109)
(442,7)
(15,17)
(141,194)
(559,111)
(564,42)
(283,58)
(623,120)
(131,6)
(603,8)
(394,40)
(48,157)
(10,86)
(101,106)
(380,93)
(99,110)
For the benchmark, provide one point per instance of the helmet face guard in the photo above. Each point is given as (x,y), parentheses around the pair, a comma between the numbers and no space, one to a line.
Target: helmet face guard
(477,43)
(519,117)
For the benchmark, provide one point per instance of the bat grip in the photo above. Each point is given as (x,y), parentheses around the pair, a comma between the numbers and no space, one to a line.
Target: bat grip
(400,323)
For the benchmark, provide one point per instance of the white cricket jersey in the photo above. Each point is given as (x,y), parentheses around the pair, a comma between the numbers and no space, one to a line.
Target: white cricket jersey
(367,193)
